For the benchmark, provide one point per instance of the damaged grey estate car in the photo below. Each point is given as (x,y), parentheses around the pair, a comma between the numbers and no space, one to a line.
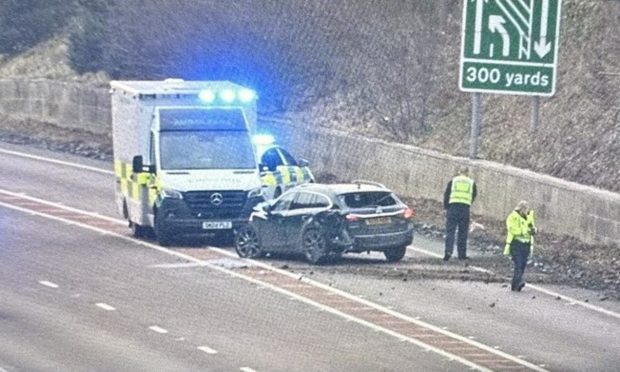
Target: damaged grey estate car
(323,221)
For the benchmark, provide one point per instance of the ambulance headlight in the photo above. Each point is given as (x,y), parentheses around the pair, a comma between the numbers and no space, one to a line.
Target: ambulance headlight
(171,194)
(256,193)
(246,95)
(227,95)
(207,96)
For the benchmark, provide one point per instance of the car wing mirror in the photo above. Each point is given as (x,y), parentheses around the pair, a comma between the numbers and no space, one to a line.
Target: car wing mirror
(303,162)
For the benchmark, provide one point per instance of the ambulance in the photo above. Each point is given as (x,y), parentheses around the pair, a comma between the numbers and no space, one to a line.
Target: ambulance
(184,158)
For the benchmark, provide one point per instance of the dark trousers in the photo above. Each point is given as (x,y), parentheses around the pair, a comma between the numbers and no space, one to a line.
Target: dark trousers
(520,252)
(457,223)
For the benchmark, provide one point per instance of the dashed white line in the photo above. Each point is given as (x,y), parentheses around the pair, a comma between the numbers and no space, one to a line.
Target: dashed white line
(105,306)
(158,329)
(207,350)
(48,284)
(247,369)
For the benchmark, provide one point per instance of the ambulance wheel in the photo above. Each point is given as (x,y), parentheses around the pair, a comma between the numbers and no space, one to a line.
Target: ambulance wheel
(163,235)
(138,231)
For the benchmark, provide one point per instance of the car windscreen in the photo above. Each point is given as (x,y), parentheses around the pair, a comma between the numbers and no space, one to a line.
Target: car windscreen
(368,199)
(206,150)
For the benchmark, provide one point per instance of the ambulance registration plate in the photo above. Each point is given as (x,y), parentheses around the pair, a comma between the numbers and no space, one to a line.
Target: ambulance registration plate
(378,221)
(216,225)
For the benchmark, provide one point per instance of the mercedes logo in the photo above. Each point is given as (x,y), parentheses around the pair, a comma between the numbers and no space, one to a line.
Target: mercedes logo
(216,198)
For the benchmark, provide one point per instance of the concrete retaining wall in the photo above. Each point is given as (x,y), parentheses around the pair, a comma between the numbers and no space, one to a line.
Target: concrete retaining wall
(589,214)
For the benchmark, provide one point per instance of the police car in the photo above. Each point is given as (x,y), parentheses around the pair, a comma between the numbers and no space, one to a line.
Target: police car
(279,170)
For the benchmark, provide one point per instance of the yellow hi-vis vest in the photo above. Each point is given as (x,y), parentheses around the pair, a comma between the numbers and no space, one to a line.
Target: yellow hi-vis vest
(519,229)
(462,190)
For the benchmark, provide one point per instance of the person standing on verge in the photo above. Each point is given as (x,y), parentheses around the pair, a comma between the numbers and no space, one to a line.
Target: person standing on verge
(520,241)
(457,199)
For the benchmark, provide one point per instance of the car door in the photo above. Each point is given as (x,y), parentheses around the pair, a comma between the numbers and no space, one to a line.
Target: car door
(272,228)
(305,206)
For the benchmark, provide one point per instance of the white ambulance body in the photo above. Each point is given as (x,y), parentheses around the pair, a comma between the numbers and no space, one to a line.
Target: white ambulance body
(183,155)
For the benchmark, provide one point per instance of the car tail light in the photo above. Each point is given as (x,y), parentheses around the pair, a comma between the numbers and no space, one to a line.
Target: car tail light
(408,213)
(351,218)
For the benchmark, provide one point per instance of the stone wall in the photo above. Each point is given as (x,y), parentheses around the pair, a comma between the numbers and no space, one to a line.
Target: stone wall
(589,214)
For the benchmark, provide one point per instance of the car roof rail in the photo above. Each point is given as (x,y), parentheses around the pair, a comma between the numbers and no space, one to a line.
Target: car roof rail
(365,182)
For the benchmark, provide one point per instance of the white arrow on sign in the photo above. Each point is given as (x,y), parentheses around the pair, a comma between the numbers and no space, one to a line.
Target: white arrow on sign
(542,47)
(478,25)
(496,24)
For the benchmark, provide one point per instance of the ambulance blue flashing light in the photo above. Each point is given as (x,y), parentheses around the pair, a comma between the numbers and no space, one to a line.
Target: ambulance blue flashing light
(263,139)
(207,96)
(227,95)
(246,95)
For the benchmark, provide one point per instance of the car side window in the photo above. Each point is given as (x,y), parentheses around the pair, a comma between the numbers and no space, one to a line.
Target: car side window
(304,200)
(310,200)
(284,203)
(288,158)
(322,201)
(271,158)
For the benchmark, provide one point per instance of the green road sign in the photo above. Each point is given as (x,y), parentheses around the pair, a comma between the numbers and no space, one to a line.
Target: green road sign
(510,46)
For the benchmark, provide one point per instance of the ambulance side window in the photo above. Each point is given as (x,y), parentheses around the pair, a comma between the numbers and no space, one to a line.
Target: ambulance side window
(288,158)
(271,159)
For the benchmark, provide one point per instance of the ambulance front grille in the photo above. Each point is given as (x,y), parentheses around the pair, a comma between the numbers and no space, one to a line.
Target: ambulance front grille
(215,204)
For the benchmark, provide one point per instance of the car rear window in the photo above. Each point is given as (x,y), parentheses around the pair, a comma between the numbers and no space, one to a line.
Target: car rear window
(368,199)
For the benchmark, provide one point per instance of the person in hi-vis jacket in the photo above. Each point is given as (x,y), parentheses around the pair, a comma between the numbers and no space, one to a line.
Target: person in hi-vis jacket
(457,199)
(520,241)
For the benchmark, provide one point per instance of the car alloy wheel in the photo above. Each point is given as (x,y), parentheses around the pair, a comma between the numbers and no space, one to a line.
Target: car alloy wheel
(314,246)
(246,242)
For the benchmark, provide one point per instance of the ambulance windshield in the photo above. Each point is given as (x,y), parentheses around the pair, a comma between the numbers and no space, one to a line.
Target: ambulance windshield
(206,150)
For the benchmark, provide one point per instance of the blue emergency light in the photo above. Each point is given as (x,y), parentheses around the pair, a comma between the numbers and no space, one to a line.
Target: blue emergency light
(263,139)
(227,95)
(246,95)
(207,96)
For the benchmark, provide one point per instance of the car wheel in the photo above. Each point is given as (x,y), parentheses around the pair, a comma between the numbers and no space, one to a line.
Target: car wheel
(163,235)
(247,244)
(395,254)
(314,246)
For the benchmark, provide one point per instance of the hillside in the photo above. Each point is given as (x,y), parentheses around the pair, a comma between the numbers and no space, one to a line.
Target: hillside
(386,70)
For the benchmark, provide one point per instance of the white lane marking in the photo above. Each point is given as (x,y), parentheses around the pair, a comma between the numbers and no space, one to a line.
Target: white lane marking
(158,329)
(207,350)
(570,300)
(54,161)
(179,265)
(247,369)
(105,306)
(48,284)
(347,317)
(59,206)
(296,276)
